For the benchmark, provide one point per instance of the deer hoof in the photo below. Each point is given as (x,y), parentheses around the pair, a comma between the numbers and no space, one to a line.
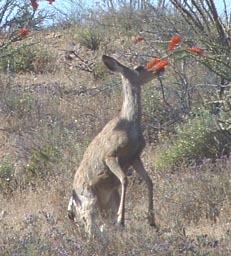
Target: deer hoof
(155,226)
(120,223)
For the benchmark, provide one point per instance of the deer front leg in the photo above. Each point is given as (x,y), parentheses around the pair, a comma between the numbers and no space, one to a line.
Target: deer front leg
(139,168)
(114,166)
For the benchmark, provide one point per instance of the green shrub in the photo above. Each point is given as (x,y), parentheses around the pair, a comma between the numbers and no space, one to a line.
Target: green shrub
(100,71)
(20,102)
(41,163)
(157,115)
(27,58)
(90,37)
(196,140)
(7,180)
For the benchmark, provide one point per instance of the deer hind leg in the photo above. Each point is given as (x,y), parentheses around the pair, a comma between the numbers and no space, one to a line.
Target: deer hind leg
(89,214)
(86,210)
(139,168)
(114,166)
(88,219)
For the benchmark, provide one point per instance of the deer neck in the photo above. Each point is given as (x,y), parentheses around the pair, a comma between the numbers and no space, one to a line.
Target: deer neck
(131,108)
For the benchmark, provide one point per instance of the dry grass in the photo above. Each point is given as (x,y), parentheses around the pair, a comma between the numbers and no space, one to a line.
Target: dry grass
(35,221)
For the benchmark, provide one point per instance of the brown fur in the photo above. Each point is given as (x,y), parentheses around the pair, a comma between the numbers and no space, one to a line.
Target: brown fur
(107,159)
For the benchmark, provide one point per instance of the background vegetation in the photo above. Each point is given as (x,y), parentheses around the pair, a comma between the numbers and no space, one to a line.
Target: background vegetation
(56,95)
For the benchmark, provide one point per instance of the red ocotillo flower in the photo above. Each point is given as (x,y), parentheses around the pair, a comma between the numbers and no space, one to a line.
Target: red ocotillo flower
(156,63)
(50,1)
(23,31)
(138,39)
(152,63)
(34,4)
(173,41)
(161,65)
(195,49)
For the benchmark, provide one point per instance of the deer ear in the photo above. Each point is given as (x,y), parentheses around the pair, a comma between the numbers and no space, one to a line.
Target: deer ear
(112,64)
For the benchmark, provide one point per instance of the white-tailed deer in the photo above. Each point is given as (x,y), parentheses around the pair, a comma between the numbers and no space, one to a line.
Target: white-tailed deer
(112,152)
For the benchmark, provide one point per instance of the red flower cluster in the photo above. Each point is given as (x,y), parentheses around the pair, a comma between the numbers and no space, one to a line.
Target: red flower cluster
(159,63)
(138,39)
(34,4)
(173,41)
(195,49)
(152,63)
(50,1)
(156,64)
(23,31)
(176,39)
